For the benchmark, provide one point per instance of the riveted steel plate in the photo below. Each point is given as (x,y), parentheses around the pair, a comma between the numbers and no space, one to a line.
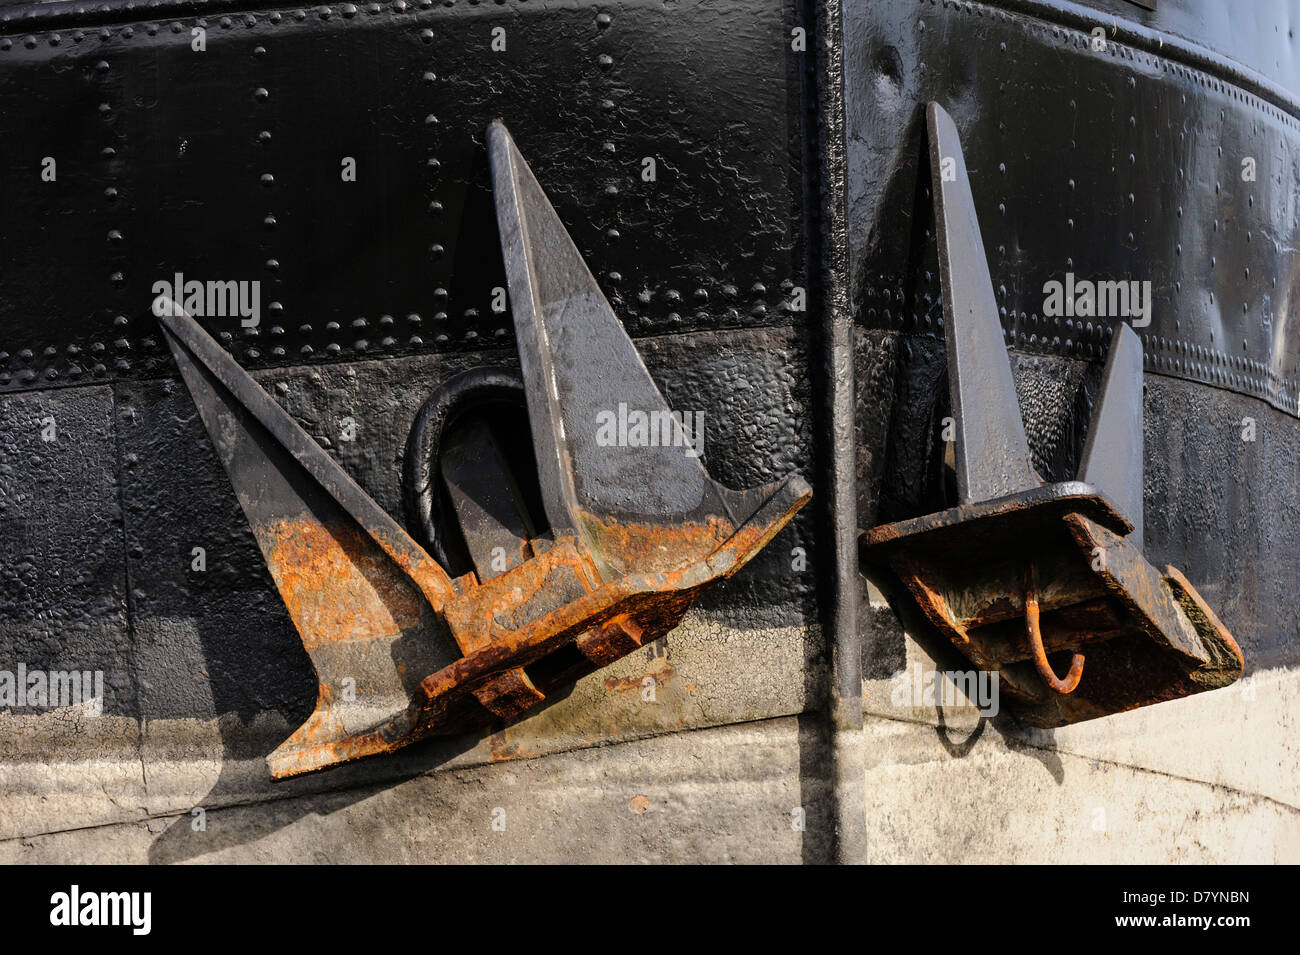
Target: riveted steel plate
(229,164)
(1122,163)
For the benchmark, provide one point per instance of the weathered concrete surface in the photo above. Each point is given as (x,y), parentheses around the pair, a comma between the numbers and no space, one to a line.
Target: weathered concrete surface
(1209,778)
(1213,778)
(65,771)
(728,794)
(941,787)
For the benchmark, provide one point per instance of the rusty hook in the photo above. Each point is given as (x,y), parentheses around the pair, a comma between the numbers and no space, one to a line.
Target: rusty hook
(1058,684)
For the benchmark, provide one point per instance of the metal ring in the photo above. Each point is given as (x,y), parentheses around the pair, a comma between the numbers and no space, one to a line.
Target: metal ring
(421,500)
(1071,679)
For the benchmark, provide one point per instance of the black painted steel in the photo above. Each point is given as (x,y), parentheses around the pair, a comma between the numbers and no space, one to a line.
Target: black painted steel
(992,453)
(1128,160)
(1111,164)
(228,164)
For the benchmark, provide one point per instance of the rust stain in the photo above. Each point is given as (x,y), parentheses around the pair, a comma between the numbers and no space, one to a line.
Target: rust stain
(661,672)
(336,586)
(639,804)
(650,547)
(501,748)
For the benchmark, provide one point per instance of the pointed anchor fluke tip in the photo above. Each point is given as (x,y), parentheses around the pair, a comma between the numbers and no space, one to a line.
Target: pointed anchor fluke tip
(1126,336)
(498,137)
(1112,454)
(166,307)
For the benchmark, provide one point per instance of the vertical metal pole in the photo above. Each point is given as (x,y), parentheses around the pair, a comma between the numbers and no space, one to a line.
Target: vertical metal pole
(830,252)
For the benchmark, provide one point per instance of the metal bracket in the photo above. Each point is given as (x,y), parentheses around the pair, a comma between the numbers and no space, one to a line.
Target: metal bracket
(635,533)
(1020,572)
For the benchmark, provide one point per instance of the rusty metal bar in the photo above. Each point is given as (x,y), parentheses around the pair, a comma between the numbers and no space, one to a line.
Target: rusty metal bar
(1071,680)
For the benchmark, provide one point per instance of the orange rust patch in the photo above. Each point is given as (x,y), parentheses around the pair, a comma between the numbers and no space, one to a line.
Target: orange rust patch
(336,585)
(639,804)
(502,749)
(652,549)
(662,671)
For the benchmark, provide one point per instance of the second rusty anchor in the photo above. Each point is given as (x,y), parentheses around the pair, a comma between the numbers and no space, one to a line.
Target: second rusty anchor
(1046,584)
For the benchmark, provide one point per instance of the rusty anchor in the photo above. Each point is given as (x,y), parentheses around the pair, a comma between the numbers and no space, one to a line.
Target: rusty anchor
(1035,580)
(403,650)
